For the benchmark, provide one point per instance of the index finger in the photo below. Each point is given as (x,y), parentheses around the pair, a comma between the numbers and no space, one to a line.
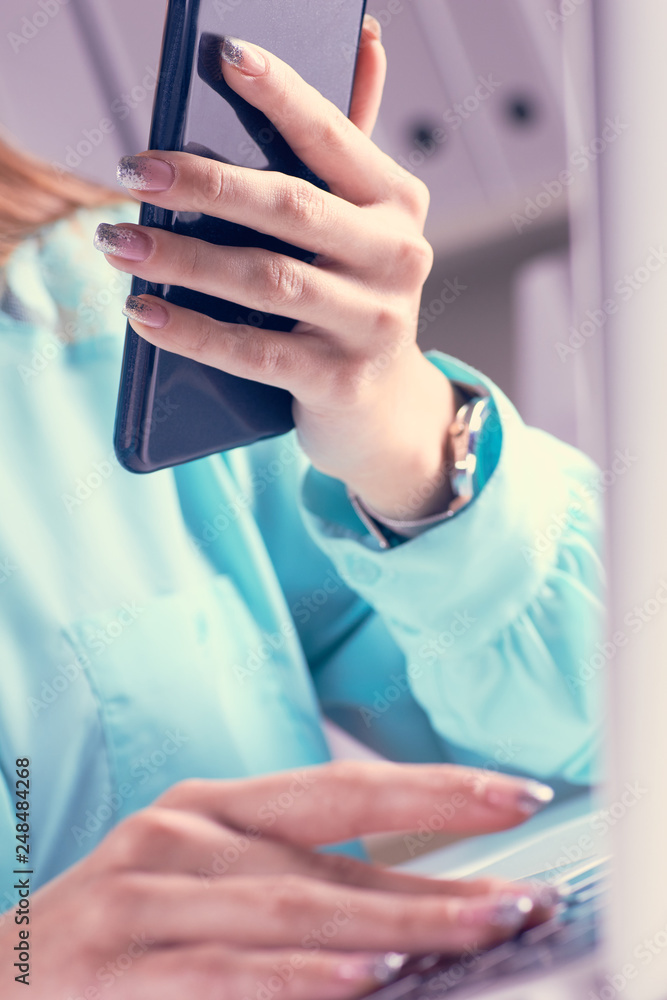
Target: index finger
(316,130)
(347,799)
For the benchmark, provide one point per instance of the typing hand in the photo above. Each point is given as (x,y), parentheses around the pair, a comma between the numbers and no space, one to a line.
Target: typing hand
(216,889)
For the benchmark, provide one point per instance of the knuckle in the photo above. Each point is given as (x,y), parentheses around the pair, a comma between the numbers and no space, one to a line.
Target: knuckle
(421,195)
(414,258)
(187,792)
(386,324)
(97,923)
(332,130)
(303,204)
(137,835)
(115,896)
(344,772)
(201,334)
(415,195)
(287,897)
(214,965)
(487,886)
(405,920)
(212,182)
(191,259)
(284,283)
(451,910)
(284,97)
(267,357)
(347,384)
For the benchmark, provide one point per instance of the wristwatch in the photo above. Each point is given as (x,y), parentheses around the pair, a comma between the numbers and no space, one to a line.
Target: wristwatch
(460,464)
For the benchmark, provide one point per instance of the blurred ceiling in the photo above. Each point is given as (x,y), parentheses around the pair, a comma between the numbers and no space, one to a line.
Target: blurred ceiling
(472,103)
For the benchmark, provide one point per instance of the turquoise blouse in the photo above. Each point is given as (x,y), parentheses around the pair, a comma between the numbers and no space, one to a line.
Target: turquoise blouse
(200,620)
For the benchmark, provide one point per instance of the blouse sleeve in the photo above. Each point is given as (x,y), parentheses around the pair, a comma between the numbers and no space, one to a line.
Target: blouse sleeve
(498,611)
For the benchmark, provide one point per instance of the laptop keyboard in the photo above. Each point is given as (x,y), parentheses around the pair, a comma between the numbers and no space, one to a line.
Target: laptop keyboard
(569,935)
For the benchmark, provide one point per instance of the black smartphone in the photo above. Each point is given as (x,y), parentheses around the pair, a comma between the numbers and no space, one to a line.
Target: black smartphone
(172,409)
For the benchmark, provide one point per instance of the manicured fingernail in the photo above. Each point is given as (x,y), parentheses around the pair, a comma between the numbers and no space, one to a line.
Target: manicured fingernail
(381,968)
(120,241)
(243,56)
(534,796)
(528,798)
(549,895)
(149,313)
(506,913)
(145,173)
(373,25)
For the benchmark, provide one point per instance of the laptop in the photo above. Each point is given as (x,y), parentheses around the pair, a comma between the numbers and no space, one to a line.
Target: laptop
(608,853)
(565,846)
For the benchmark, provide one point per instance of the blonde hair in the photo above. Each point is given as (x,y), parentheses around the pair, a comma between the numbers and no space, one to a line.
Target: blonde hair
(34,194)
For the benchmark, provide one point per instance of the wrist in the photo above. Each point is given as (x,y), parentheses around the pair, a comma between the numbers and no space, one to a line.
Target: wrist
(462,465)
(406,476)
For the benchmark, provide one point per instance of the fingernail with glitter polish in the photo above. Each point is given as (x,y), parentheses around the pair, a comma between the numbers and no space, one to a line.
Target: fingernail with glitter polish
(534,796)
(149,313)
(380,968)
(528,797)
(121,241)
(145,173)
(507,912)
(549,895)
(243,56)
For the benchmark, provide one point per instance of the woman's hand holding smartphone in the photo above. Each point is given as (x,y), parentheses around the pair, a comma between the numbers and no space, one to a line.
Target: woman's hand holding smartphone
(369,409)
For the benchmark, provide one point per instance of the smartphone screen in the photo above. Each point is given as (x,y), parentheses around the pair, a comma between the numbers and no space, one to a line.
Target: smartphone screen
(172,409)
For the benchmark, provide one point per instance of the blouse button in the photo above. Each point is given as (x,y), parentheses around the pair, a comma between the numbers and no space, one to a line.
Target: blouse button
(363,570)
